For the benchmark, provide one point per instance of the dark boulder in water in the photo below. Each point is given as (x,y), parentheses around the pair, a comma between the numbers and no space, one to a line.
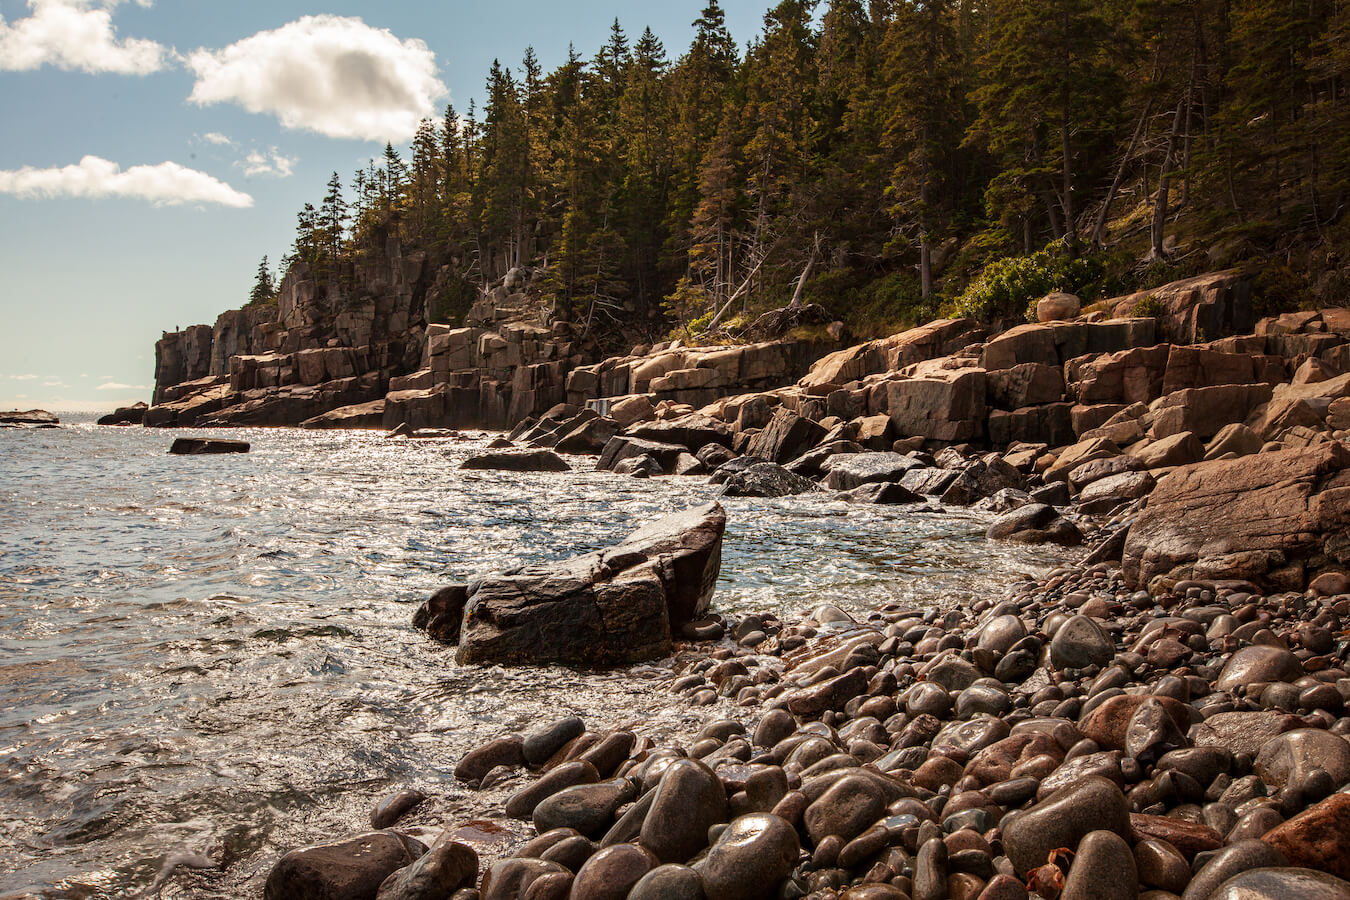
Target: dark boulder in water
(352,869)
(518,461)
(607,607)
(766,479)
(126,415)
(200,446)
(28,417)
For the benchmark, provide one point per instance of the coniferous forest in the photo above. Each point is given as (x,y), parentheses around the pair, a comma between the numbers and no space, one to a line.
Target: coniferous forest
(889,160)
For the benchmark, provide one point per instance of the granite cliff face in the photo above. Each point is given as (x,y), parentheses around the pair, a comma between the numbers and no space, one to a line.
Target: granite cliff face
(371,355)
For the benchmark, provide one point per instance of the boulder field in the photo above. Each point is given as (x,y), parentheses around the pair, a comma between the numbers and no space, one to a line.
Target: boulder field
(1074,738)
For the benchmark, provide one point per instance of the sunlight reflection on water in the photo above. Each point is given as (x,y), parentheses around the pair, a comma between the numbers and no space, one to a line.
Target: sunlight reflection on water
(216,651)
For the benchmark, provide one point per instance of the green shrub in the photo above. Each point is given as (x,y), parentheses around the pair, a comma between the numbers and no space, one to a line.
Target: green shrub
(1008,288)
(1150,307)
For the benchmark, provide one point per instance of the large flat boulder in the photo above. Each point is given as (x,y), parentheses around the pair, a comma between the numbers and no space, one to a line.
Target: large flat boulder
(360,415)
(941,404)
(1275,519)
(607,607)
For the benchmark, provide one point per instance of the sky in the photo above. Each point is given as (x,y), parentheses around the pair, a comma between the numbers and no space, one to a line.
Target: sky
(154,150)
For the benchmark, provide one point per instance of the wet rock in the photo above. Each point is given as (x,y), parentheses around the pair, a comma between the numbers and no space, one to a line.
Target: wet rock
(203,446)
(1282,884)
(569,774)
(750,859)
(392,808)
(589,808)
(1160,865)
(517,461)
(688,801)
(611,873)
(1258,663)
(1034,523)
(1244,732)
(668,882)
(438,873)
(1317,838)
(1109,723)
(607,607)
(882,495)
(846,809)
(765,479)
(505,751)
(1000,634)
(1291,758)
(786,437)
(848,471)
(1103,869)
(352,869)
(1094,804)
(540,745)
(831,694)
(1232,860)
(1189,838)
(509,879)
(1080,642)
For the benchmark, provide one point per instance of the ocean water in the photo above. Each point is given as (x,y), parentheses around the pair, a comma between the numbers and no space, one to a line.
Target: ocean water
(210,659)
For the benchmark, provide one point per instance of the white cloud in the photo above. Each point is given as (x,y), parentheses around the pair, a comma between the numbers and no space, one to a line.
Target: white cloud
(24,377)
(215,137)
(55,383)
(333,75)
(114,386)
(167,183)
(76,35)
(269,163)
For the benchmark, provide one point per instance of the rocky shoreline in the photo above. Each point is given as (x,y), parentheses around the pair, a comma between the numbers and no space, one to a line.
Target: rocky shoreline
(1164,719)
(1076,738)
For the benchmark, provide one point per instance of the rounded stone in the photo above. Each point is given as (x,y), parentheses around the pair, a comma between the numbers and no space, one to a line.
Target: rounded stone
(611,873)
(355,867)
(1258,663)
(1103,869)
(1160,865)
(1291,758)
(1229,861)
(1080,642)
(689,800)
(1000,633)
(1092,804)
(1283,884)
(540,745)
(589,808)
(442,870)
(668,882)
(750,859)
(509,879)
(849,806)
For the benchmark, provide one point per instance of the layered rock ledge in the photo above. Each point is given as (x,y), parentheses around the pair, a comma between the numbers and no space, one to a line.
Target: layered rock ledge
(610,607)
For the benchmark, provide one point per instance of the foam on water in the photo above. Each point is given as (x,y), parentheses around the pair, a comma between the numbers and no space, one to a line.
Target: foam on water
(212,656)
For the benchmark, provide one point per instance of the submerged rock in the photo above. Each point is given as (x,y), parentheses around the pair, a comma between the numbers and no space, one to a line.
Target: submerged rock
(518,461)
(608,607)
(200,446)
(764,479)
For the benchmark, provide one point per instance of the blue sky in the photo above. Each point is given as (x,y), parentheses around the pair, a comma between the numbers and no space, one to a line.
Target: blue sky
(154,151)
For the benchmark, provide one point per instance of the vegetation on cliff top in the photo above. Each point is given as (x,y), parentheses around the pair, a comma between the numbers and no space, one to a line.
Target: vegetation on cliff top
(889,160)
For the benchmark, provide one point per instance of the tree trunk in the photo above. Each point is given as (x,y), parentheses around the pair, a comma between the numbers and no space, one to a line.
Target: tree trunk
(806,273)
(1096,238)
(1164,185)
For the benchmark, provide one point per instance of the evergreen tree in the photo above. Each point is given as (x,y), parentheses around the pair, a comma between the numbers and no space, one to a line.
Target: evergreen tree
(263,288)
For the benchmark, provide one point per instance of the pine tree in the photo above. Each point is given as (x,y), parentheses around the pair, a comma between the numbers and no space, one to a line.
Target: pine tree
(263,288)
(1047,98)
(925,125)
(332,221)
